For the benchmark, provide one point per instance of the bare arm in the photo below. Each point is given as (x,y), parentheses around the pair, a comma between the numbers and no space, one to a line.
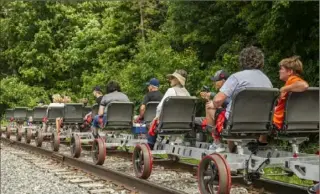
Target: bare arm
(219,99)
(142,110)
(299,86)
(101,110)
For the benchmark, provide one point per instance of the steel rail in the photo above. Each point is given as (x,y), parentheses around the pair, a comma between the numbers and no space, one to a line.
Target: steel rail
(139,185)
(147,187)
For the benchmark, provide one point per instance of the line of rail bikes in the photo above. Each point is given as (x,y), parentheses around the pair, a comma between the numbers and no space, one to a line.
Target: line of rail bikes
(250,116)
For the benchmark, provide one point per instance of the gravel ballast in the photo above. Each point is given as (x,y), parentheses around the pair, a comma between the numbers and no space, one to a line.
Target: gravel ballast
(20,177)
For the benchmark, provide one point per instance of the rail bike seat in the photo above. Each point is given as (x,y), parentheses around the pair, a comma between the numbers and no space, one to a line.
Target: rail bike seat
(54,112)
(250,114)
(119,115)
(73,113)
(38,114)
(20,113)
(302,113)
(86,110)
(95,109)
(177,115)
(9,113)
(150,113)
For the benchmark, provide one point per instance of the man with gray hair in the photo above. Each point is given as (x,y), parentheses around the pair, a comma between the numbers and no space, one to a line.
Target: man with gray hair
(251,61)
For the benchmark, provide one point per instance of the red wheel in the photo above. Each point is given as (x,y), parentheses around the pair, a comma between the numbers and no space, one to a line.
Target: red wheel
(55,141)
(142,161)
(75,146)
(39,138)
(19,134)
(214,175)
(98,151)
(28,136)
(8,132)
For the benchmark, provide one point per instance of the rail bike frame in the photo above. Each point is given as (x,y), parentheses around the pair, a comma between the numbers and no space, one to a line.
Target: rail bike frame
(243,128)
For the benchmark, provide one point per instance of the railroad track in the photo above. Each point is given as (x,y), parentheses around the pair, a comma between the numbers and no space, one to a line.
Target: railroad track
(167,177)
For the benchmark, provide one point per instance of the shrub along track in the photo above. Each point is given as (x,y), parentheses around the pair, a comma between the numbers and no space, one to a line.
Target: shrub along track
(173,177)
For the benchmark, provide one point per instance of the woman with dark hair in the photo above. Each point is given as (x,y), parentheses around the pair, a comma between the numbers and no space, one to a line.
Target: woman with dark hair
(113,94)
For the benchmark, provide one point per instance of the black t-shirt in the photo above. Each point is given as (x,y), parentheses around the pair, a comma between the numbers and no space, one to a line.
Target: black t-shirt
(98,100)
(152,96)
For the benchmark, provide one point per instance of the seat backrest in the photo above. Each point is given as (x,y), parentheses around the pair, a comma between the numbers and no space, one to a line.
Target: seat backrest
(251,111)
(302,112)
(54,112)
(86,110)
(20,113)
(29,113)
(9,113)
(119,115)
(73,113)
(95,109)
(177,114)
(150,112)
(39,113)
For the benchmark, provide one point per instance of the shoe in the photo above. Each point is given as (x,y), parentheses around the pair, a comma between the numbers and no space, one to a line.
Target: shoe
(217,148)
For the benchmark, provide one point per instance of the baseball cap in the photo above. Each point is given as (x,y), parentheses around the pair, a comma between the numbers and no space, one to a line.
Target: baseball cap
(97,88)
(220,75)
(153,82)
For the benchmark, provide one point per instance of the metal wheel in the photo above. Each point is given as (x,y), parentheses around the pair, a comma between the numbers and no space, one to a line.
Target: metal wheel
(39,138)
(8,133)
(55,141)
(142,161)
(214,175)
(98,151)
(19,134)
(75,146)
(28,136)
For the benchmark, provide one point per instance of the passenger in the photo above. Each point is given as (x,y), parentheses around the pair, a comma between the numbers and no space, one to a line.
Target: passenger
(41,103)
(177,82)
(251,60)
(218,80)
(113,94)
(58,101)
(153,95)
(98,94)
(290,72)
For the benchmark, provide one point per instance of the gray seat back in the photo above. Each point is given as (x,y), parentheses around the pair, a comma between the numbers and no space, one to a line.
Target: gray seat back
(86,110)
(177,114)
(20,113)
(9,113)
(119,115)
(29,113)
(251,111)
(302,112)
(39,113)
(95,109)
(54,112)
(150,112)
(73,113)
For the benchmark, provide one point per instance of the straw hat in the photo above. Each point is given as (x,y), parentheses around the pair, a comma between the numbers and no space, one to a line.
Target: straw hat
(180,75)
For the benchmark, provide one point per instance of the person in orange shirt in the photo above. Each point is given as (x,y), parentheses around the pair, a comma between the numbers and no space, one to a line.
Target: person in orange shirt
(290,72)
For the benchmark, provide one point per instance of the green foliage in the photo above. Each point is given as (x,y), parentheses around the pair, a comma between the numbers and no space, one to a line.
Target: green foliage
(70,47)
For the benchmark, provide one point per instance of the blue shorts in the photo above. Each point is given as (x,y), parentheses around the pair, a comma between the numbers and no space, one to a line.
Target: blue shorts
(95,122)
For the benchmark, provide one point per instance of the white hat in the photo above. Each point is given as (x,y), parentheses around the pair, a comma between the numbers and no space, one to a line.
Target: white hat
(179,77)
